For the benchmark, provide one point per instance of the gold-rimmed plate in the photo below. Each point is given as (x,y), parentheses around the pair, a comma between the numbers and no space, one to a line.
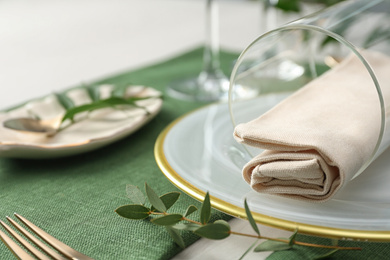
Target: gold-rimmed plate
(91,131)
(197,153)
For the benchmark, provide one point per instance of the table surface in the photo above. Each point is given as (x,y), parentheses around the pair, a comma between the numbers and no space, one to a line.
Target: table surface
(47,46)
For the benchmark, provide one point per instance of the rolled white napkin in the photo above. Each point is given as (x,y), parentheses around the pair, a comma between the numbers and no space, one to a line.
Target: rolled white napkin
(317,139)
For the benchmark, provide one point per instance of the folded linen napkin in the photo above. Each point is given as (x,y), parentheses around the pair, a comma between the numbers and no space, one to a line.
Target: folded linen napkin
(317,139)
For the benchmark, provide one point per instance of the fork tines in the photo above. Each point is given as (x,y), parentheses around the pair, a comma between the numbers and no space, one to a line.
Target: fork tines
(67,252)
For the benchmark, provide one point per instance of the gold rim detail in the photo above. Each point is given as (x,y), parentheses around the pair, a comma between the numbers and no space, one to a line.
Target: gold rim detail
(329,232)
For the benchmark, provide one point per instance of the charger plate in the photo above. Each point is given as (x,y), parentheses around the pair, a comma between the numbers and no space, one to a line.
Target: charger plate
(197,153)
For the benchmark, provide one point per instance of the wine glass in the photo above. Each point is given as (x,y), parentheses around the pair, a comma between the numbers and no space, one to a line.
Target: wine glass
(284,60)
(211,84)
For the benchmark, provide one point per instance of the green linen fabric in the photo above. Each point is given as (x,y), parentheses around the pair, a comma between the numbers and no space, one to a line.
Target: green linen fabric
(369,250)
(74,198)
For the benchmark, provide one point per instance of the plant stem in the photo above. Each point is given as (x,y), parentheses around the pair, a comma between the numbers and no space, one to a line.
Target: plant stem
(157,213)
(192,221)
(295,242)
(268,238)
(184,218)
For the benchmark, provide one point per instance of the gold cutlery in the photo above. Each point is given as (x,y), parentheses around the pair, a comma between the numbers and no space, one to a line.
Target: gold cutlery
(62,251)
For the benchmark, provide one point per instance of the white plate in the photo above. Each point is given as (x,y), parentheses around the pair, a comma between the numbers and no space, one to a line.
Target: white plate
(198,154)
(91,131)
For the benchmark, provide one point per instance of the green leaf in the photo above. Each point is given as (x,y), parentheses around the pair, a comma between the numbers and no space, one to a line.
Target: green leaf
(341,28)
(167,220)
(213,231)
(251,219)
(133,211)
(327,255)
(176,236)
(328,40)
(292,238)
(135,194)
(289,5)
(120,89)
(64,100)
(248,250)
(223,222)
(169,199)
(103,103)
(71,112)
(154,199)
(191,209)
(187,226)
(205,211)
(271,245)
(93,93)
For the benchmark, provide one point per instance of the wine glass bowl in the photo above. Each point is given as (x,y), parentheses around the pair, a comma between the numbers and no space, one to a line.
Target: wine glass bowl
(282,61)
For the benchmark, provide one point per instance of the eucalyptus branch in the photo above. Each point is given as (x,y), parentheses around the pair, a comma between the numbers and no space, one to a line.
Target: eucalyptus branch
(192,221)
(113,102)
(117,100)
(220,229)
(183,218)
(295,242)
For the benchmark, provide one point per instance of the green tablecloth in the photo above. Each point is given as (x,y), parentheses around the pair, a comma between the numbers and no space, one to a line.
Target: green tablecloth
(74,198)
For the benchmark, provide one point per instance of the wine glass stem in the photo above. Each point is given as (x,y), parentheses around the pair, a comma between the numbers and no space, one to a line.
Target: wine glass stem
(269,19)
(211,51)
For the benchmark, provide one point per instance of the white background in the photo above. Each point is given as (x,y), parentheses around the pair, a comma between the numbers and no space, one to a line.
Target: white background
(47,46)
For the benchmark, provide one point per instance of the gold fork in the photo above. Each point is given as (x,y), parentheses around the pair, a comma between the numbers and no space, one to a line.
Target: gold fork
(67,252)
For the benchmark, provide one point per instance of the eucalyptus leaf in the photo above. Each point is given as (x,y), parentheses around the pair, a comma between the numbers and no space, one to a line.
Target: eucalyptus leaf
(341,28)
(220,229)
(271,245)
(191,209)
(292,238)
(289,5)
(103,103)
(135,211)
(154,199)
(176,236)
(135,194)
(223,222)
(72,112)
(167,220)
(169,199)
(248,250)
(205,211)
(93,93)
(327,255)
(213,231)
(295,5)
(64,100)
(251,220)
(187,226)
(120,89)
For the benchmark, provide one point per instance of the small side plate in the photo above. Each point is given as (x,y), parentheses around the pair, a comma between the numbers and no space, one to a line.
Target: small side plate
(91,131)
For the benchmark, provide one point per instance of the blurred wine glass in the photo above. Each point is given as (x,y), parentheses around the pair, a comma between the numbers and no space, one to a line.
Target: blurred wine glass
(211,84)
